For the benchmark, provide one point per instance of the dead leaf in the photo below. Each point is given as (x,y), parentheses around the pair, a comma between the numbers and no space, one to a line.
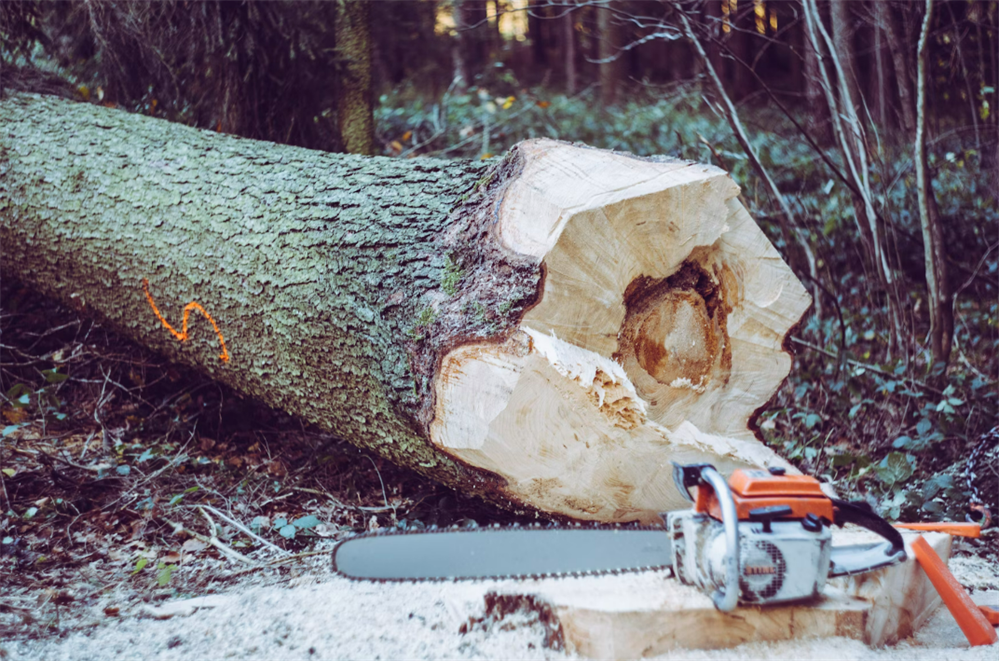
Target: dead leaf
(193,546)
(15,416)
(170,557)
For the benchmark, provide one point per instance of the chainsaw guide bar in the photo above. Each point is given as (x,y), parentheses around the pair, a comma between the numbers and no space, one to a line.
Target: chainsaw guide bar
(500,553)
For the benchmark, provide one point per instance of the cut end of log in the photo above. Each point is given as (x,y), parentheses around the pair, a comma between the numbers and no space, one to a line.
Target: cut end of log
(657,336)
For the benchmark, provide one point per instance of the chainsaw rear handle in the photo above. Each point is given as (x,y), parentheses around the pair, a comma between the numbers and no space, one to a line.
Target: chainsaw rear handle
(855,559)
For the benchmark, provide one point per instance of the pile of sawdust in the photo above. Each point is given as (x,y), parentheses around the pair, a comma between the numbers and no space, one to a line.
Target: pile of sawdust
(322,616)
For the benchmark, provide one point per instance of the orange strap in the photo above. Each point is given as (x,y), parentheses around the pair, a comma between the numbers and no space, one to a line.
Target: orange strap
(973,622)
(182,335)
(957,529)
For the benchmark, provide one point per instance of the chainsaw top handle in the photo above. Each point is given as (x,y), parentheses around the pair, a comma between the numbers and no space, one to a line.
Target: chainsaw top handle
(726,598)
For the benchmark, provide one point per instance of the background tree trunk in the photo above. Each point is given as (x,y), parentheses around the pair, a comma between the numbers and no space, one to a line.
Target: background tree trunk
(903,75)
(353,41)
(938,290)
(569,50)
(813,91)
(610,69)
(549,333)
(470,21)
(842,31)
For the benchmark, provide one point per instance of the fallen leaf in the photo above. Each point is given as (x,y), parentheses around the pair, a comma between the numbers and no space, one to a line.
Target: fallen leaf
(172,556)
(15,416)
(193,546)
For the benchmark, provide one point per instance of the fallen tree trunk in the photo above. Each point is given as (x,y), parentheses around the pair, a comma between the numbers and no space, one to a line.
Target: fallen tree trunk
(549,332)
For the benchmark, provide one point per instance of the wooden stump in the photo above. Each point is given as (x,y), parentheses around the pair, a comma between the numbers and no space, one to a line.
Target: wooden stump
(647,614)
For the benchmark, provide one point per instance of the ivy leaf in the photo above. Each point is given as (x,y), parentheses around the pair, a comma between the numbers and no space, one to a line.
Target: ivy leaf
(164,575)
(52,376)
(933,507)
(896,467)
(306,522)
(936,484)
(10,429)
(288,531)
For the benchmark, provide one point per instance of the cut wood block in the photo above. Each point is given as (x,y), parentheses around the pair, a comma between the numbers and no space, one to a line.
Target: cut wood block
(647,614)
(902,597)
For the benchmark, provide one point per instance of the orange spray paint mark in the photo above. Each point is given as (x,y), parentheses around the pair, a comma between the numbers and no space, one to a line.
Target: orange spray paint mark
(182,336)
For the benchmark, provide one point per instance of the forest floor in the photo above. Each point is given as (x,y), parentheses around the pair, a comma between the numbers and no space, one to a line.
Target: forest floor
(306,612)
(130,486)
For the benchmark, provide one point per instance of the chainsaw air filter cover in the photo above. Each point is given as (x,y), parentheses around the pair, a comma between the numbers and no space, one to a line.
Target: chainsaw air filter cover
(787,562)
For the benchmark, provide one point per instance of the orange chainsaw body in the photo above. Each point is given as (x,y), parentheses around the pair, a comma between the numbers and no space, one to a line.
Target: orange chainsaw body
(755,489)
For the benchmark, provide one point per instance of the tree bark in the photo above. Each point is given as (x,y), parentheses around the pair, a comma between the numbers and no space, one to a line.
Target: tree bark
(470,55)
(353,41)
(610,60)
(548,333)
(903,77)
(569,50)
(813,90)
(537,21)
(842,30)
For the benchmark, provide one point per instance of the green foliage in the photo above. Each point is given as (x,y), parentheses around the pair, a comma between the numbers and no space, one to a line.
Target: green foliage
(289,530)
(43,401)
(164,573)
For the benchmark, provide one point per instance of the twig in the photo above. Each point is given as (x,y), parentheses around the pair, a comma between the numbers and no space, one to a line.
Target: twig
(379,474)
(214,541)
(279,561)
(86,445)
(3,485)
(339,503)
(243,529)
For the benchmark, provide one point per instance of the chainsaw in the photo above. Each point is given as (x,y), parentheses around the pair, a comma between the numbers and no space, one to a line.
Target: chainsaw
(761,538)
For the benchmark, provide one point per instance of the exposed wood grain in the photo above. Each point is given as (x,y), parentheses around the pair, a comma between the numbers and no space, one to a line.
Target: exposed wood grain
(643,615)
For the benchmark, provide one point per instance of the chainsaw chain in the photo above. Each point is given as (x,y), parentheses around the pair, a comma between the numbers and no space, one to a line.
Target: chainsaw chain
(988,439)
(432,530)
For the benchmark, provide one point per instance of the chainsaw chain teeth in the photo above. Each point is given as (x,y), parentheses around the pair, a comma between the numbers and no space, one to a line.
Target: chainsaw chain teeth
(433,530)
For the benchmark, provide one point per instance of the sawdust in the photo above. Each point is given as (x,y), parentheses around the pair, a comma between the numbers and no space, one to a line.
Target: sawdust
(327,617)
